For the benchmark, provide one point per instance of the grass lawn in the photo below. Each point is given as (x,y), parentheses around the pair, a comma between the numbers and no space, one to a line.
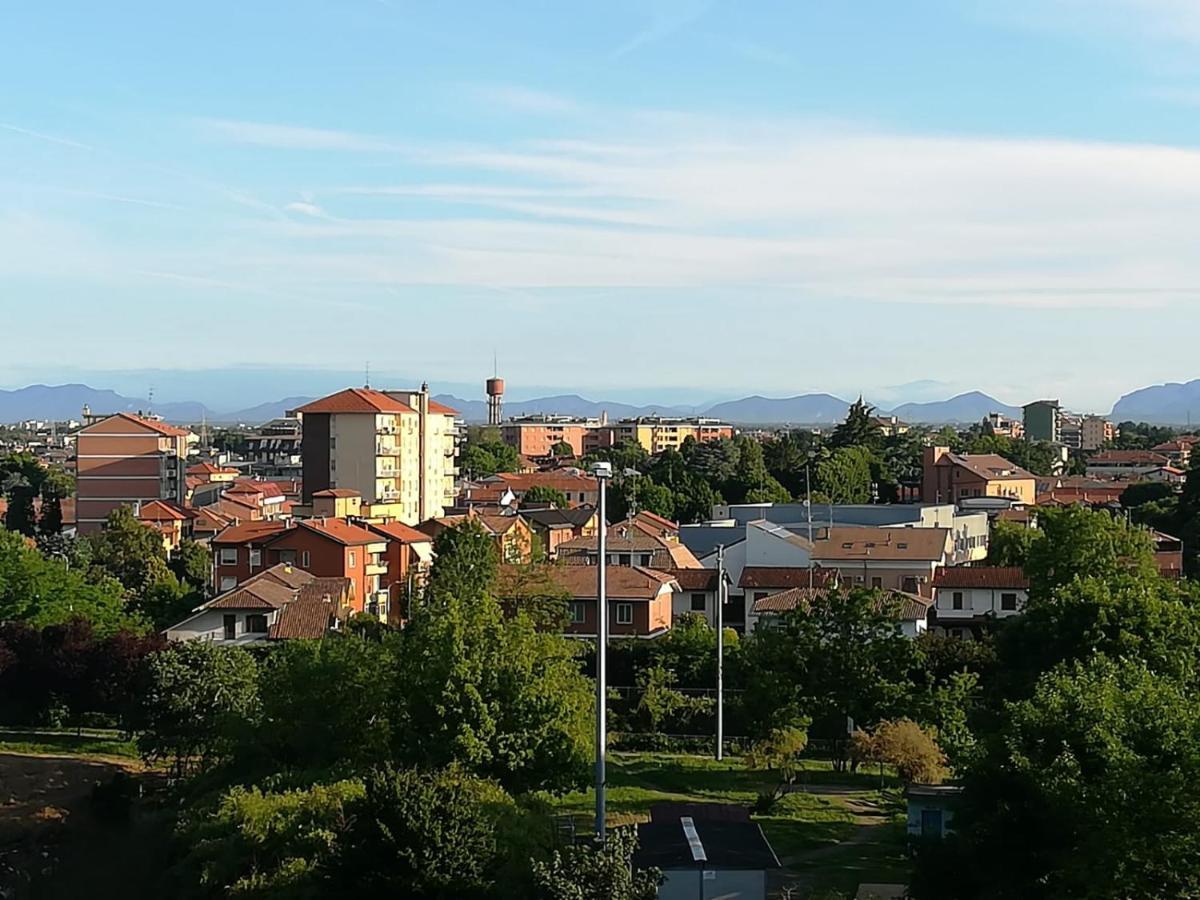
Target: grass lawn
(800,823)
(67,742)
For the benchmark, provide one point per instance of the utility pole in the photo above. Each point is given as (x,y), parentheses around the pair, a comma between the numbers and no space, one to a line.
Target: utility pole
(603,472)
(808,510)
(720,652)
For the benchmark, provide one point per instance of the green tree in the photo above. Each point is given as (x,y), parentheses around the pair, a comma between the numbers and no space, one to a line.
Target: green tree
(622,456)
(192,563)
(911,749)
(562,448)
(1010,542)
(41,592)
(493,693)
(845,475)
(841,656)
(857,430)
(751,482)
(420,834)
(129,551)
(605,872)
(199,700)
(779,754)
(540,493)
(466,561)
(262,844)
(322,704)
(1082,542)
(483,458)
(1090,788)
(56,486)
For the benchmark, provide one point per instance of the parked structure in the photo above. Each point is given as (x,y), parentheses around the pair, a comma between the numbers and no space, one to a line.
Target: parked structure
(126,460)
(396,448)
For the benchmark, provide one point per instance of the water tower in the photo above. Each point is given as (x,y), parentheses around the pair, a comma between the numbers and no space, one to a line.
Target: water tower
(495,399)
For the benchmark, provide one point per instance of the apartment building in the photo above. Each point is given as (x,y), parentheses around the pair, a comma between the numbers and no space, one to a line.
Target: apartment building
(1003,426)
(659,433)
(1042,421)
(396,448)
(951,477)
(534,436)
(127,460)
(1095,432)
(892,559)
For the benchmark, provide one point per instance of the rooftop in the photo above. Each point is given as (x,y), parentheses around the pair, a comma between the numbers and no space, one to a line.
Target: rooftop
(851,542)
(981,577)
(357,400)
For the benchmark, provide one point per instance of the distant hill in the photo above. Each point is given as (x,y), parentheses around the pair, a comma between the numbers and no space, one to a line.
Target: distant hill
(264,412)
(806,409)
(1161,404)
(970,407)
(563,405)
(66,401)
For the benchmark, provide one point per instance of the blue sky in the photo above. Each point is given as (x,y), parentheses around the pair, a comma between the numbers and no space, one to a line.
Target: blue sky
(661,199)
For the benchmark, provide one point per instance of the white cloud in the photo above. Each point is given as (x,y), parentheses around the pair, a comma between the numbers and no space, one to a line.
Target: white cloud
(291,137)
(41,136)
(1161,21)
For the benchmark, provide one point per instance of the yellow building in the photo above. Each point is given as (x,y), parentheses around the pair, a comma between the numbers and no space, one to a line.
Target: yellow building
(657,433)
(395,448)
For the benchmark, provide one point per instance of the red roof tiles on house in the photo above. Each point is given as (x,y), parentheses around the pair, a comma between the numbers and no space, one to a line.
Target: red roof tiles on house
(357,400)
(983,577)
(398,531)
(249,532)
(781,577)
(341,531)
(442,408)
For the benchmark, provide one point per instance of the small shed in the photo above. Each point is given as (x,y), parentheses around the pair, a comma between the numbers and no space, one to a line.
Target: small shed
(931,809)
(715,852)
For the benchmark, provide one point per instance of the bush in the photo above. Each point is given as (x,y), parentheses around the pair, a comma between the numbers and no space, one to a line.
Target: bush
(907,746)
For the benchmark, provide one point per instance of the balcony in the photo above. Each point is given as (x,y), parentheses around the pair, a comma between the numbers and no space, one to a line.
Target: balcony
(386,448)
(376,568)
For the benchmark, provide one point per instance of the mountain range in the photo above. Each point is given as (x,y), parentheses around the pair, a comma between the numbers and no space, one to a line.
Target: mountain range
(1161,404)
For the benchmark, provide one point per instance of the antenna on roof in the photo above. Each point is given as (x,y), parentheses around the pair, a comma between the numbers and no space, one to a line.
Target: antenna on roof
(150,400)
(367,374)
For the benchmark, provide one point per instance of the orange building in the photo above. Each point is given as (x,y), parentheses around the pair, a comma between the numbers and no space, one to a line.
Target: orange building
(127,460)
(535,436)
(334,548)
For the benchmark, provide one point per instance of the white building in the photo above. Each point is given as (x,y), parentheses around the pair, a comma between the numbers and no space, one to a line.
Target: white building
(968,598)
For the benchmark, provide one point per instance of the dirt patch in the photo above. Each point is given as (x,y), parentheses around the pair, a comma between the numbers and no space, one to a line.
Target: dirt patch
(44,802)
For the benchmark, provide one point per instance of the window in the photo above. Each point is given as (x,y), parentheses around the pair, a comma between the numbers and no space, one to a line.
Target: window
(255,559)
(699,603)
(909,584)
(644,559)
(624,613)
(351,559)
(876,581)
(228,556)
(305,559)
(578,613)
(1008,601)
(256,624)
(229,625)
(228,583)
(956,600)
(287,557)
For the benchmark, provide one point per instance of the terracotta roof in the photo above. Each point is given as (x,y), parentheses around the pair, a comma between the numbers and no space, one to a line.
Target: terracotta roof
(257,593)
(435,407)
(161,511)
(1131,457)
(249,533)
(208,519)
(340,530)
(250,486)
(577,517)
(337,492)
(398,531)
(784,576)
(990,466)
(308,618)
(561,481)
(334,588)
(356,400)
(862,542)
(153,424)
(207,468)
(910,607)
(981,577)
(283,573)
(695,579)
(623,582)
(653,519)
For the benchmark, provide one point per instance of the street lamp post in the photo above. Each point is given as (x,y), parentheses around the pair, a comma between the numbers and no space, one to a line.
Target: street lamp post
(808,510)
(603,472)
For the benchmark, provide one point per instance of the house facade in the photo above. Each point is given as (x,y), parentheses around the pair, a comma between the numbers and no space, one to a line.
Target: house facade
(967,599)
(951,477)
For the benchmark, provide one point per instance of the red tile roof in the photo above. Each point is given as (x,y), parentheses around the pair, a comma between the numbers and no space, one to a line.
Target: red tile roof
(435,407)
(161,511)
(337,492)
(153,424)
(249,533)
(357,400)
(308,618)
(341,531)
(844,542)
(622,582)
(398,531)
(1131,457)
(908,607)
(780,577)
(981,577)
(207,468)
(695,579)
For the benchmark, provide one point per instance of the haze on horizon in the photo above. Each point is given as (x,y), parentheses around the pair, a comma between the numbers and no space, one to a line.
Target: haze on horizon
(700,196)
